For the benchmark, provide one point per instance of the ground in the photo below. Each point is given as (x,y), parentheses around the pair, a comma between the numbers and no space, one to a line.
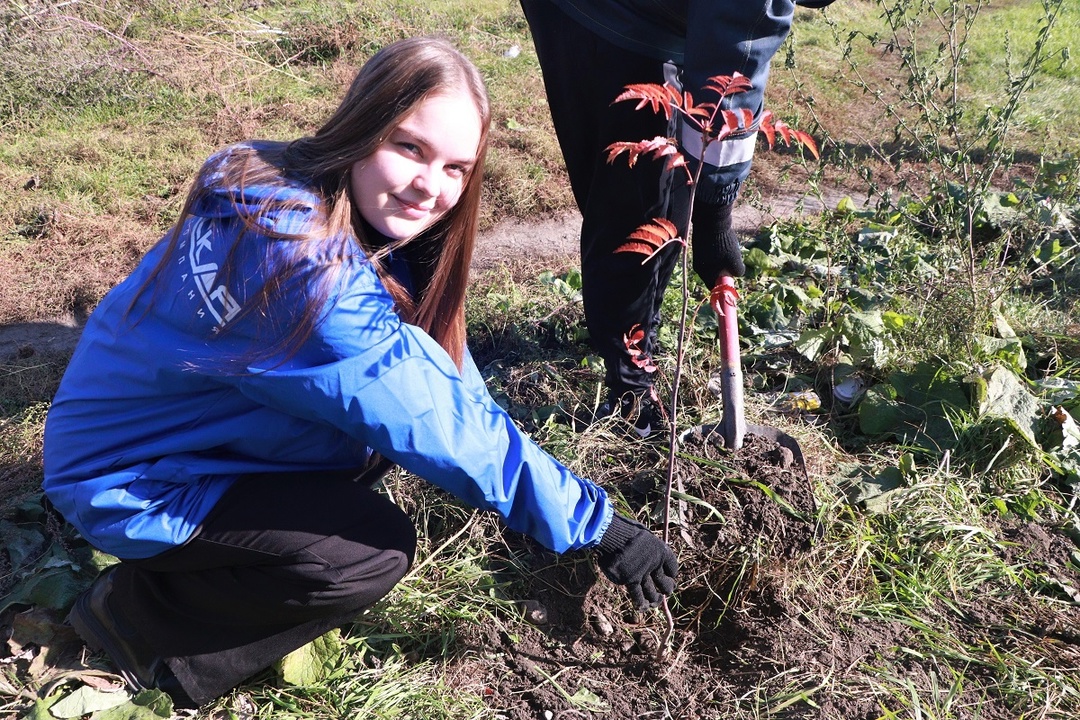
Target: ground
(747,633)
(737,626)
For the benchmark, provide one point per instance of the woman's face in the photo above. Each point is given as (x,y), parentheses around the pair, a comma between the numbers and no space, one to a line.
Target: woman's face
(418,173)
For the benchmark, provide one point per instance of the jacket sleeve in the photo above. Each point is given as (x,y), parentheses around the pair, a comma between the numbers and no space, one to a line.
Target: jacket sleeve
(724,37)
(392,387)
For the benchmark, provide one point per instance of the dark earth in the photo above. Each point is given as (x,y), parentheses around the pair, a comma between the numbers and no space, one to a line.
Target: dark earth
(737,625)
(744,637)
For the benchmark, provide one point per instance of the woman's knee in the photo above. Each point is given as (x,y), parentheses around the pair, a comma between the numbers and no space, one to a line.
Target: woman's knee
(369,568)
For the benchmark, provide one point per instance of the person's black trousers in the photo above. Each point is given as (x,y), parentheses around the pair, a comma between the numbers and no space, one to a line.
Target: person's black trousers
(583,74)
(282,559)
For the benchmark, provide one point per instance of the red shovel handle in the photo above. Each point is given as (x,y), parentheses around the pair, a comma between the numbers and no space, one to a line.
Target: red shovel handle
(733,423)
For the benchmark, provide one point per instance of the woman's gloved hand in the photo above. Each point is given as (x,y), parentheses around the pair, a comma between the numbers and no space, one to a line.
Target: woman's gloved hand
(716,247)
(630,554)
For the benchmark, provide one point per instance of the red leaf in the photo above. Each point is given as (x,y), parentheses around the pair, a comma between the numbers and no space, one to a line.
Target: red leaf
(704,111)
(637,247)
(808,142)
(661,229)
(767,129)
(771,127)
(631,341)
(651,238)
(658,97)
(657,147)
(725,85)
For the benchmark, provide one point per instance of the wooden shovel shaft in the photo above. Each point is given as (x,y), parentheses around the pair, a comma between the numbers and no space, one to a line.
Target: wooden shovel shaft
(733,421)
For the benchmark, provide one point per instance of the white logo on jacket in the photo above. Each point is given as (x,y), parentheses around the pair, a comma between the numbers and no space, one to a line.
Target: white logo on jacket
(216,298)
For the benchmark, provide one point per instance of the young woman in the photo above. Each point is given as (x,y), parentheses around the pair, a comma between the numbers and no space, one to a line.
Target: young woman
(298,331)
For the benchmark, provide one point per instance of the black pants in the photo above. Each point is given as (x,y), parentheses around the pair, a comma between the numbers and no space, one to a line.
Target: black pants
(583,74)
(282,559)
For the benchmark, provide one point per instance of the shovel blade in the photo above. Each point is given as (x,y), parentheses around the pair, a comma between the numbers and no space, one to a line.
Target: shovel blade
(783,440)
(722,430)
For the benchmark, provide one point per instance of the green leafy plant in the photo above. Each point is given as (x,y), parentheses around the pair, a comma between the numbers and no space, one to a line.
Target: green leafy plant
(966,148)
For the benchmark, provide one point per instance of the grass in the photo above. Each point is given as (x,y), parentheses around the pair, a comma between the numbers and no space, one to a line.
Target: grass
(965,571)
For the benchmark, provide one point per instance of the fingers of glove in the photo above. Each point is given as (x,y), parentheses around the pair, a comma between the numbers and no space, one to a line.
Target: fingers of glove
(663,582)
(671,564)
(637,597)
(649,591)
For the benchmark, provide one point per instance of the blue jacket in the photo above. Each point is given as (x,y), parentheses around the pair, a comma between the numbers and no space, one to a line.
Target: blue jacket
(148,430)
(704,38)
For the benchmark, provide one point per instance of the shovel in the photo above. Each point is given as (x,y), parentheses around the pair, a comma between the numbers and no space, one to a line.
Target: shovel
(733,427)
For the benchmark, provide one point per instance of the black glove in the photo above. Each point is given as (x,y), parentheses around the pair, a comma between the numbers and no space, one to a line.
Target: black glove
(815,4)
(716,246)
(631,555)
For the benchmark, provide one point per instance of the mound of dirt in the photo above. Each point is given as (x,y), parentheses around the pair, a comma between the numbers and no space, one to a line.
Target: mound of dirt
(583,651)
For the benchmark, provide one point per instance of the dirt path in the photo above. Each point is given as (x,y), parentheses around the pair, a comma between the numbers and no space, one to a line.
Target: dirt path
(551,241)
(556,239)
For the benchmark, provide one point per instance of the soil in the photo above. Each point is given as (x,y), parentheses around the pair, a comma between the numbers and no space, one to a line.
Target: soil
(584,650)
(745,636)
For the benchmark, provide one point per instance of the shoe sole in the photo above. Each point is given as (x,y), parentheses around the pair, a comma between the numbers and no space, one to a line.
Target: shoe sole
(96,637)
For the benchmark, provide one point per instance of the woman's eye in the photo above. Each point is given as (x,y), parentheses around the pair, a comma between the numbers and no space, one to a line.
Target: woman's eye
(455,170)
(409,148)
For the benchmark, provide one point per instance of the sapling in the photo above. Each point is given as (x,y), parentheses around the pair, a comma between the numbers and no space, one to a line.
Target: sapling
(714,123)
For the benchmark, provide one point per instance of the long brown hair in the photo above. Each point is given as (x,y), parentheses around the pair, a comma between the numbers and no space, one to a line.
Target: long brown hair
(386,89)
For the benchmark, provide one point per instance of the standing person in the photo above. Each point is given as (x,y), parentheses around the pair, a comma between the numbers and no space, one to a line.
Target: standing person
(299,329)
(589,51)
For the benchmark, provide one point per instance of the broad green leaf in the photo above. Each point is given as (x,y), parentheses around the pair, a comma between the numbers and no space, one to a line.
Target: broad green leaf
(870,491)
(876,236)
(86,700)
(767,311)
(759,264)
(23,543)
(812,343)
(928,384)
(1002,327)
(1049,250)
(147,705)
(572,278)
(312,663)
(54,588)
(1009,399)
(879,491)
(907,465)
(40,709)
(1009,351)
(893,320)
(588,700)
(846,205)
(864,333)
(880,414)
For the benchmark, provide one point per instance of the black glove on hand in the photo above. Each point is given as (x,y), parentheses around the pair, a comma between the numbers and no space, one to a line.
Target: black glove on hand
(631,555)
(716,246)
